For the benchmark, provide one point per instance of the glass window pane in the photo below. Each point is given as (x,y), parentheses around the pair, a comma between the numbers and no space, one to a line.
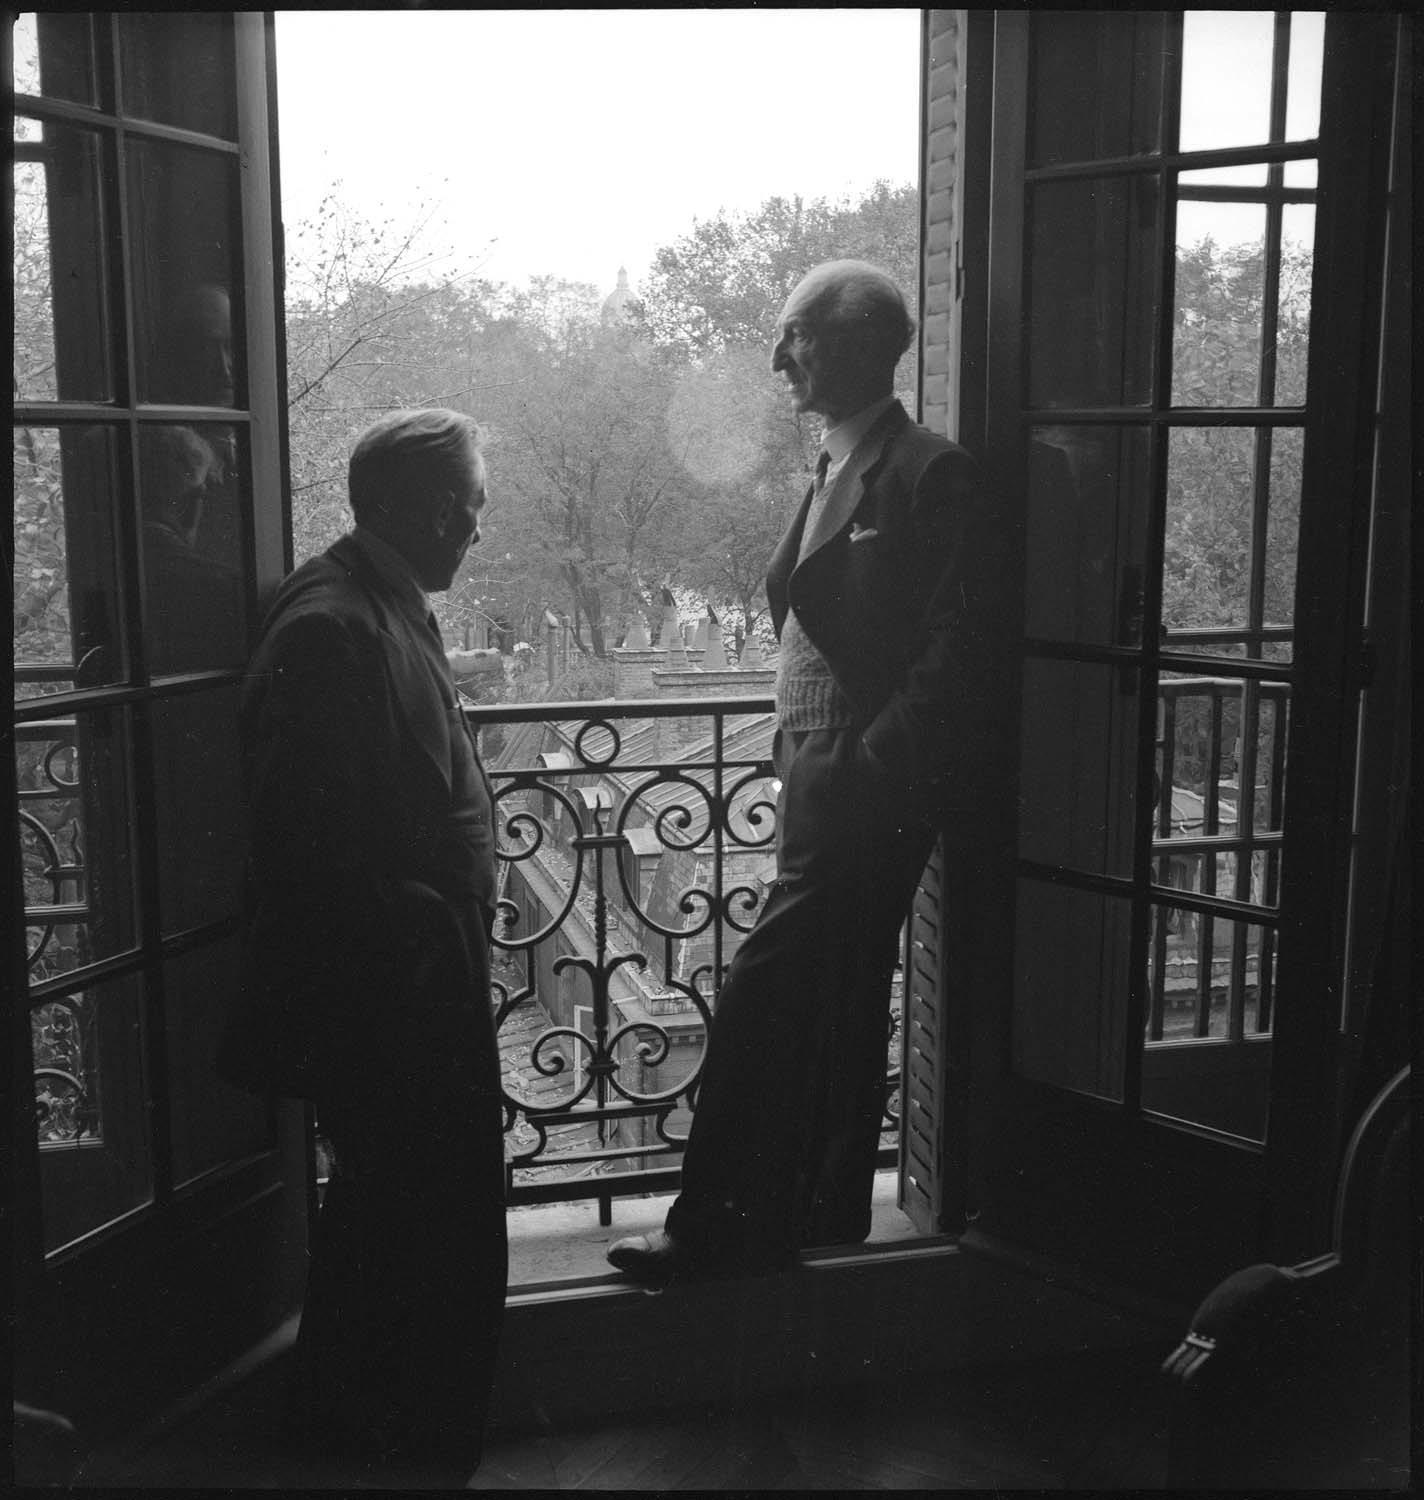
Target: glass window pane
(54,57)
(1293,302)
(197,96)
(197,807)
(1283,535)
(192,553)
(1086,533)
(1301,174)
(1307,49)
(1206,582)
(1242,174)
(1211,988)
(35,378)
(183,220)
(1201,764)
(212,1121)
(74,788)
(1070,988)
(1226,78)
(1072,116)
(1091,281)
(1216,345)
(67,604)
(95,1158)
(1077,781)
(62,342)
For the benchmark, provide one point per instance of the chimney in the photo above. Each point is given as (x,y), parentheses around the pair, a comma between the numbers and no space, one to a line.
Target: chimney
(634,660)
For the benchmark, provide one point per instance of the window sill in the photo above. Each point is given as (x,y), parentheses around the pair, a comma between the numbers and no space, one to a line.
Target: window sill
(563,1243)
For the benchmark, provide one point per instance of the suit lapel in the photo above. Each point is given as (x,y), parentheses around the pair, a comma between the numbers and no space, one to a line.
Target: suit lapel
(848,487)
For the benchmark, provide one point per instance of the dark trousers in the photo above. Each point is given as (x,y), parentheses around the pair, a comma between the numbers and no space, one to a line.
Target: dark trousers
(406,1287)
(781,1152)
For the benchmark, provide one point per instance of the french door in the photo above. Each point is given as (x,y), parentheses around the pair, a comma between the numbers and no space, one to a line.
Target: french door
(148,520)
(1174,198)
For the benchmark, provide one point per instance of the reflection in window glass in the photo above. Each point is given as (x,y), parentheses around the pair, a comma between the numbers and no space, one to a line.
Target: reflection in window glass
(1076,798)
(1070,988)
(1092,275)
(193,615)
(1226,78)
(1073,117)
(1293,302)
(1085,534)
(1206,563)
(212,1122)
(197,96)
(1307,48)
(54,56)
(1216,344)
(197,807)
(66,598)
(182,219)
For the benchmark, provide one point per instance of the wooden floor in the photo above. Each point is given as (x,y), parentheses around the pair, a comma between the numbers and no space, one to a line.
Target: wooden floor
(1085,1422)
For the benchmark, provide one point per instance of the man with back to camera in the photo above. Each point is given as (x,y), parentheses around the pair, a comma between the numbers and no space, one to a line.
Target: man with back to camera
(880,592)
(366,960)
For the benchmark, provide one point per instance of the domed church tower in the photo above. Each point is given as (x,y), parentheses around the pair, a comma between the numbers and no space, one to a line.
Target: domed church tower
(617,305)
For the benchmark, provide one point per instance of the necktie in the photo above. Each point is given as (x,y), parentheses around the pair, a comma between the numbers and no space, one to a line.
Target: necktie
(823,462)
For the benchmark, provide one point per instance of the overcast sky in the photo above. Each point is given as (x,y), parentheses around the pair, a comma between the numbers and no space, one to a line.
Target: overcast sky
(571,142)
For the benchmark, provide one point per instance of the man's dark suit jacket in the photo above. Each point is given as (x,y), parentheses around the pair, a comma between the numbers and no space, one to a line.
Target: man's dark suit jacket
(346,729)
(902,573)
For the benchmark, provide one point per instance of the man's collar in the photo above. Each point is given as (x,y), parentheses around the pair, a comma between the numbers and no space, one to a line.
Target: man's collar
(841,439)
(393,570)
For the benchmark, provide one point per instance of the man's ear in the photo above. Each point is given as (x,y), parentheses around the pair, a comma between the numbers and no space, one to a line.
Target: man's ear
(441,512)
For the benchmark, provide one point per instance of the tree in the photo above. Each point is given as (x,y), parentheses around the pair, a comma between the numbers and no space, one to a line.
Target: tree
(1217,361)
(364,336)
(581,438)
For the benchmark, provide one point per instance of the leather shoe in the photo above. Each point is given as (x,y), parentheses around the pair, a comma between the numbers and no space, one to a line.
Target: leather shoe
(653,1259)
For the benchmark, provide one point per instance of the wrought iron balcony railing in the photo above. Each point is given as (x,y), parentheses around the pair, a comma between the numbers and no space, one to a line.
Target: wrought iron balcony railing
(637,845)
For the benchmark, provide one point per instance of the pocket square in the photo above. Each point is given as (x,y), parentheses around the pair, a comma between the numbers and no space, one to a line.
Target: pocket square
(862,533)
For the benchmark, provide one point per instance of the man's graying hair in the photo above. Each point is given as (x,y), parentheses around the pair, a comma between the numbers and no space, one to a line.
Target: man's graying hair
(406,455)
(864,304)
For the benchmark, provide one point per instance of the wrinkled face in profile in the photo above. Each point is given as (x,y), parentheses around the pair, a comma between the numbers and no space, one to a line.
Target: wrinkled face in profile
(203,359)
(806,350)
